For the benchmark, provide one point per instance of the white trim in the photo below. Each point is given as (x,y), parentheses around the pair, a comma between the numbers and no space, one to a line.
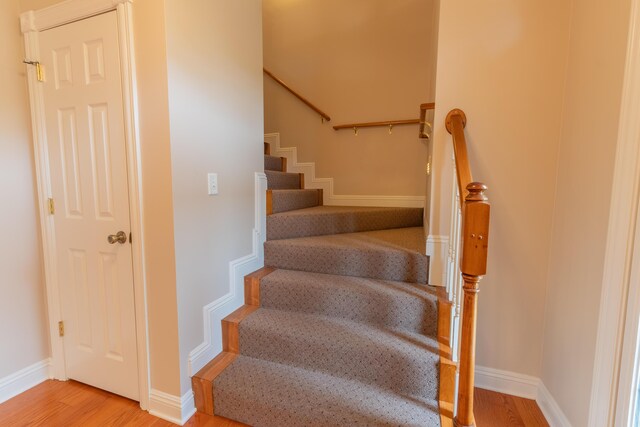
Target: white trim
(525,386)
(172,408)
(134,172)
(628,381)
(32,22)
(438,252)
(214,312)
(47,228)
(620,235)
(550,408)
(507,382)
(26,378)
(64,13)
(326,184)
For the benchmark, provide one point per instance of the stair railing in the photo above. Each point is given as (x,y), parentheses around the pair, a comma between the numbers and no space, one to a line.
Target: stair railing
(324,116)
(422,121)
(474,239)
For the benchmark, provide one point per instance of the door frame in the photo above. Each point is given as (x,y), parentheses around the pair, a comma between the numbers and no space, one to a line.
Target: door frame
(32,22)
(608,389)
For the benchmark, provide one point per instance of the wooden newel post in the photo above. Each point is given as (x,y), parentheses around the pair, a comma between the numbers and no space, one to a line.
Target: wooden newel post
(475,239)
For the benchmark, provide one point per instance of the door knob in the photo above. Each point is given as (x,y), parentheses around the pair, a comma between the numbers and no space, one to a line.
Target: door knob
(120,237)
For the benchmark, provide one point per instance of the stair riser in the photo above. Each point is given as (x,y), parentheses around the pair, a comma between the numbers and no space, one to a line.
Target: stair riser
(369,302)
(273,163)
(348,353)
(290,227)
(284,181)
(268,394)
(399,266)
(287,200)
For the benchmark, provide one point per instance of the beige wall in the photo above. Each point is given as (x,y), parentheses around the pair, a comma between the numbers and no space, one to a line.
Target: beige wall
(359,61)
(214,57)
(151,64)
(23,320)
(503,63)
(36,4)
(200,111)
(585,172)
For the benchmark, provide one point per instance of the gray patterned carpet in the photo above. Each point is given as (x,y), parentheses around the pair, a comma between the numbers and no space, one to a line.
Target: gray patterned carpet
(288,200)
(345,335)
(325,220)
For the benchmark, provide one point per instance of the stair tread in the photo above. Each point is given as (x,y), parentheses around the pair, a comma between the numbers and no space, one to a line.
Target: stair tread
(327,220)
(393,359)
(395,254)
(341,210)
(393,304)
(401,239)
(264,393)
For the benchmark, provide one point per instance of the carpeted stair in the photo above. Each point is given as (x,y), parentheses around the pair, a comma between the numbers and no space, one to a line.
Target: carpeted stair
(340,328)
(288,200)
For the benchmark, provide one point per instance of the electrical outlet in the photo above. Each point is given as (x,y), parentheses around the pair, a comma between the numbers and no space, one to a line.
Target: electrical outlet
(212,181)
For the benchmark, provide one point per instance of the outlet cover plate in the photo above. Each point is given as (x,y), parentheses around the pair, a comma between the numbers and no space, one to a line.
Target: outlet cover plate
(212,181)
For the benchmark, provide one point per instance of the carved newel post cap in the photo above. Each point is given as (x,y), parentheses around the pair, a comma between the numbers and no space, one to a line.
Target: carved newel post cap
(476,192)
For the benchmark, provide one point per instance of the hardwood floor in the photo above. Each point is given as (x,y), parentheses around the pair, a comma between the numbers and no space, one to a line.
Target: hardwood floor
(67,404)
(493,409)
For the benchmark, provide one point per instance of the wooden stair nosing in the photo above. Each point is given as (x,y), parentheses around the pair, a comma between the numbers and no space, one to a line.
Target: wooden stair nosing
(230,328)
(269,202)
(202,381)
(448,369)
(283,163)
(252,285)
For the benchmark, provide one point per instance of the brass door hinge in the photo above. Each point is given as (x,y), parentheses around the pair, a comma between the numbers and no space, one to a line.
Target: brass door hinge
(51,205)
(39,69)
(61,328)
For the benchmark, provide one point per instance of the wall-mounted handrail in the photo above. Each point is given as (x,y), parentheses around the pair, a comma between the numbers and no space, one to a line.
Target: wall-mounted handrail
(378,124)
(324,115)
(473,264)
(423,118)
(391,123)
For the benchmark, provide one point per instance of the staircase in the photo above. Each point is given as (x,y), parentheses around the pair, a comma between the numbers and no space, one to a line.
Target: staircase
(340,328)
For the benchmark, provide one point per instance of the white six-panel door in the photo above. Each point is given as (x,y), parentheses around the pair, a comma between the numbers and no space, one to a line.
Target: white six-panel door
(88,168)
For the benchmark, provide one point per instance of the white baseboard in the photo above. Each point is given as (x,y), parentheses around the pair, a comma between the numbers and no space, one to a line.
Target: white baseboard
(214,312)
(172,408)
(26,378)
(326,184)
(549,407)
(507,382)
(522,386)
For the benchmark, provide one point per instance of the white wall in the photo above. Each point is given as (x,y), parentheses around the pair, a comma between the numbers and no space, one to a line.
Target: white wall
(214,57)
(503,63)
(591,113)
(359,61)
(23,330)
